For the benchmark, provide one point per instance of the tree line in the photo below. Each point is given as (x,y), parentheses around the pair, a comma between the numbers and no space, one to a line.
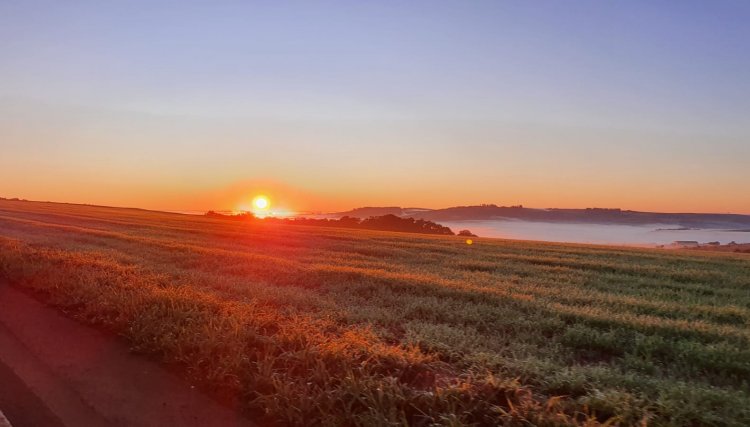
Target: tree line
(383,223)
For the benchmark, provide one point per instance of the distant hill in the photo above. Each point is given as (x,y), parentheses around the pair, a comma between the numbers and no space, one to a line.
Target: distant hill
(589,215)
(368,211)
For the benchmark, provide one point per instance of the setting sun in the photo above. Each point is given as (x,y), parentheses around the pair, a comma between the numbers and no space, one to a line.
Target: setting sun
(261,202)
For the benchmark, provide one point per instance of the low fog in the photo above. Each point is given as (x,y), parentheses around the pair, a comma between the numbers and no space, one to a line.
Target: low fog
(651,234)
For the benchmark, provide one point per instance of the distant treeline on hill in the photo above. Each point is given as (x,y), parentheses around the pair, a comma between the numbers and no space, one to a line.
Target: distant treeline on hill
(491,212)
(383,223)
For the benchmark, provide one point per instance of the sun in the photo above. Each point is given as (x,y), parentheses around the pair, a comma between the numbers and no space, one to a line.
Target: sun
(261,202)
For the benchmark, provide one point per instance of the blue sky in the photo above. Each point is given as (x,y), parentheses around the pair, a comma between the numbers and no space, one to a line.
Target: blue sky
(490,101)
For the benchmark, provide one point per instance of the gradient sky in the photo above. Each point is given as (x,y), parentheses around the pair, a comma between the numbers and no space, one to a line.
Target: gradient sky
(332,105)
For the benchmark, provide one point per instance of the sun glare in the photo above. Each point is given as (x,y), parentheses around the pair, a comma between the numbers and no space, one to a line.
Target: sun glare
(261,202)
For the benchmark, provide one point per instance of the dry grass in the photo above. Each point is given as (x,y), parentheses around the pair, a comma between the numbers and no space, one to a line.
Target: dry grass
(312,326)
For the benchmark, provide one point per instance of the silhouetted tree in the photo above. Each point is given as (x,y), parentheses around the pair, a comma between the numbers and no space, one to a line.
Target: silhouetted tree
(384,222)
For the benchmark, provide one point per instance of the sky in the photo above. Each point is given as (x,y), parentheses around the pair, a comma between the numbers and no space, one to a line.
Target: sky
(327,105)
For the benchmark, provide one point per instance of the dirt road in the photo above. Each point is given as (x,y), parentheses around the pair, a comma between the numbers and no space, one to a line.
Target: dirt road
(55,371)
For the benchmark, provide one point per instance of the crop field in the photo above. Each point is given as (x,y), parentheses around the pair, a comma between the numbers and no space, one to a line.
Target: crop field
(301,325)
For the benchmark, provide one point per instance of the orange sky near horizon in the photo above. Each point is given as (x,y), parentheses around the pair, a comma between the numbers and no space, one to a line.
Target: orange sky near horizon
(288,199)
(176,163)
(165,162)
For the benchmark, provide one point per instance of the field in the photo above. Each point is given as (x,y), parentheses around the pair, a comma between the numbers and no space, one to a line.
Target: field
(317,326)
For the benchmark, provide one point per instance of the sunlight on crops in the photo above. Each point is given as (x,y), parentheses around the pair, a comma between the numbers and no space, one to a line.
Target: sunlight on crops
(320,326)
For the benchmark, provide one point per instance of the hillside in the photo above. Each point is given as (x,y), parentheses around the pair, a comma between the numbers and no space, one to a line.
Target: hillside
(591,215)
(366,212)
(326,326)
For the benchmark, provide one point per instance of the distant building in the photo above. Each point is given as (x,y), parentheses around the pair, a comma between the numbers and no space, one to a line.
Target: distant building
(685,243)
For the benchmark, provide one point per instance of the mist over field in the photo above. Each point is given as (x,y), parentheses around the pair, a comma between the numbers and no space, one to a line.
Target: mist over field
(649,234)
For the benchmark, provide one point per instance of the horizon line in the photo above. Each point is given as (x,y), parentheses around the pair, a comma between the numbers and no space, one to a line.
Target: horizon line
(314,212)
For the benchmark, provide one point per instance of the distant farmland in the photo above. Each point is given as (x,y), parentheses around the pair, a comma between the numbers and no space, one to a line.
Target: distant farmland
(320,326)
